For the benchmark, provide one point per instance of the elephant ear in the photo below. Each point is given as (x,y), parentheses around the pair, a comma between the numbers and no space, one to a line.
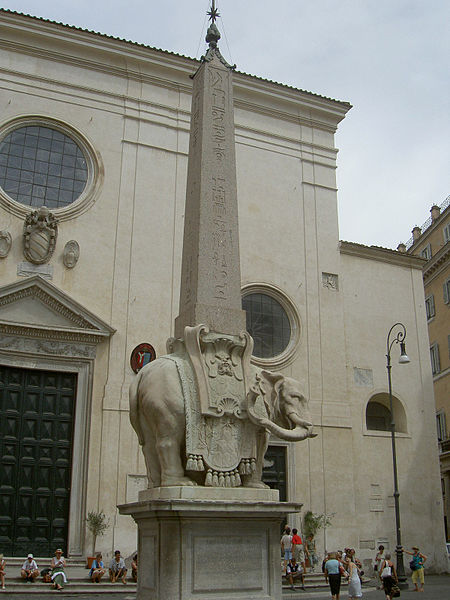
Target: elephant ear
(275,381)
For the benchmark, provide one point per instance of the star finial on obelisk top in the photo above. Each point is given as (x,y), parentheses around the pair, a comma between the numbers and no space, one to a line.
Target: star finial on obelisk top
(213,37)
(214,12)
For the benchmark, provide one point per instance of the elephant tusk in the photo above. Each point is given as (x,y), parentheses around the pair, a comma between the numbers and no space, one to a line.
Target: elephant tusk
(297,421)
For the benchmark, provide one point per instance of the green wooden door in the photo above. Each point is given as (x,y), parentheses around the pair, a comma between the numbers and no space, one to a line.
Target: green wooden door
(36,427)
(274,470)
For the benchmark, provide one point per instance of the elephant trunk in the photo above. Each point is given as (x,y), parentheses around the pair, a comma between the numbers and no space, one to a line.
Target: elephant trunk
(301,431)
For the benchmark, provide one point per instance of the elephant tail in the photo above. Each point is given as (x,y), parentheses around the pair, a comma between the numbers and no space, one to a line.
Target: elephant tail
(134,407)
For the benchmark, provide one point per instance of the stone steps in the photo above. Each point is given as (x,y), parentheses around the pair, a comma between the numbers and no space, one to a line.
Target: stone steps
(77,575)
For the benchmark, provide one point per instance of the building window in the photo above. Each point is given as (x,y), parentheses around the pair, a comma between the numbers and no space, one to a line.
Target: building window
(274,324)
(268,324)
(378,417)
(441,425)
(426,252)
(447,291)
(429,306)
(447,233)
(435,362)
(42,166)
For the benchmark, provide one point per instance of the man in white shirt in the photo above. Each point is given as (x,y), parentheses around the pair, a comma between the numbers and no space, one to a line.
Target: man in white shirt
(29,570)
(286,546)
(117,569)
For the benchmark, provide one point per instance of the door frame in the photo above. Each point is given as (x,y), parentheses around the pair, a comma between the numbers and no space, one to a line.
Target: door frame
(80,442)
(59,334)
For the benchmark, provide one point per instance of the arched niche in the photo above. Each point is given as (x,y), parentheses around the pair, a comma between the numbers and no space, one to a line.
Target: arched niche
(378,414)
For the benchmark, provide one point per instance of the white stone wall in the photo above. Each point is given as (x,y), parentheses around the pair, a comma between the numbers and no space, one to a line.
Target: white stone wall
(132,106)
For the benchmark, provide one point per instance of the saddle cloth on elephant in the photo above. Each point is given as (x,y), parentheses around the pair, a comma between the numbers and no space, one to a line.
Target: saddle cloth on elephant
(221,444)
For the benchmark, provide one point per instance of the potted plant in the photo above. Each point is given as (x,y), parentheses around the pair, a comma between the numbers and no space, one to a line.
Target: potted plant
(97,523)
(311,525)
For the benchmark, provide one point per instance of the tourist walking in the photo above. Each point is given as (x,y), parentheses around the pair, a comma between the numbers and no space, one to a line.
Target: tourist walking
(310,550)
(2,571)
(416,566)
(333,574)
(286,546)
(379,557)
(388,575)
(354,581)
(98,569)
(58,566)
(29,570)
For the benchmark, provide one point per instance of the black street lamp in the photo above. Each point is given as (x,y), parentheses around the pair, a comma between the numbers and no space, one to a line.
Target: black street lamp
(398,339)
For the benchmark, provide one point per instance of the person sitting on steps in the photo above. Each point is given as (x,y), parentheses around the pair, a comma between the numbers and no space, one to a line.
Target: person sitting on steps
(29,570)
(98,569)
(293,571)
(117,569)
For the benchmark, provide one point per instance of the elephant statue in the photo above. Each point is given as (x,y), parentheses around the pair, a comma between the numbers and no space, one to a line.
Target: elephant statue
(274,404)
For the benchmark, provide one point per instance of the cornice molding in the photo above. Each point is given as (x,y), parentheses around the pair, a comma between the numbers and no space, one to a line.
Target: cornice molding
(436,262)
(322,110)
(381,254)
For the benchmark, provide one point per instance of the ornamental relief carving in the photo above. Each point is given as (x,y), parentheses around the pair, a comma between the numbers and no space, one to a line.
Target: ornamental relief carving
(5,243)
(40,231)
(23,344)
(71,254)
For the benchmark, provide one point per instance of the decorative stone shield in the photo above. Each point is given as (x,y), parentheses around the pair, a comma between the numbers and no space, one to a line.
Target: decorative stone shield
(5,243)
(71,254)
(40,231)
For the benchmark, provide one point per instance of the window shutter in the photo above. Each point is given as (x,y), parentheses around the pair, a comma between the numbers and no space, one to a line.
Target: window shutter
(446,291)
(447,233)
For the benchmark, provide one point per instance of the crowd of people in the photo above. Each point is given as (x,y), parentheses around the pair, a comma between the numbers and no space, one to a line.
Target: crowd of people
(55,574)
(344,564)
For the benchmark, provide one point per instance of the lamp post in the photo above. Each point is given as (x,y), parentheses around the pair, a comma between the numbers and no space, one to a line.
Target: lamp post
(399,338)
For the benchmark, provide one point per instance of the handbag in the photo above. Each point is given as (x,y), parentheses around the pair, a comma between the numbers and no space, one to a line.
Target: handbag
(395,591)
(412,566)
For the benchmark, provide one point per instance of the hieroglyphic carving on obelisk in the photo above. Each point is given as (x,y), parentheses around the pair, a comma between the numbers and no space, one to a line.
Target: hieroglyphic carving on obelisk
(211,277)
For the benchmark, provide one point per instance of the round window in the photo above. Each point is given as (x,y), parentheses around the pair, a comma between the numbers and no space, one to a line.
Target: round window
(42,166)
(268,324)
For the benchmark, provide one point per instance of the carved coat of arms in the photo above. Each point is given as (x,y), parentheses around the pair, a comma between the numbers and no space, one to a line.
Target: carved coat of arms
(40,231)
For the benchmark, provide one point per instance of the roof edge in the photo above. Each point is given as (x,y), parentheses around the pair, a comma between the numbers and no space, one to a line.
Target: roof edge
(196,62)
(381,254)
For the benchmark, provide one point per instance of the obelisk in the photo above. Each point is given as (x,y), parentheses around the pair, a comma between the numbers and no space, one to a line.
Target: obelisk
(208,527)
(210,276)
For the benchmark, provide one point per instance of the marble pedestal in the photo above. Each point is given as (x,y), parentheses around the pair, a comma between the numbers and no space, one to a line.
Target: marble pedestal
(209,543)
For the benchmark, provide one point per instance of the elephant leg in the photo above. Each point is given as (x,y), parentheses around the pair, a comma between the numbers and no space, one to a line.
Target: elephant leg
(255,479)
(152,463)
(172,470)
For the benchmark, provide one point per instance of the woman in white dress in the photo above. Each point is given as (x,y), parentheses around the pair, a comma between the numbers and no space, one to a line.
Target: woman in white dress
(354,582)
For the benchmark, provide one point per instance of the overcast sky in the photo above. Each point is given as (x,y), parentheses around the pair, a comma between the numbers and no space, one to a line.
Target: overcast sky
(388,58)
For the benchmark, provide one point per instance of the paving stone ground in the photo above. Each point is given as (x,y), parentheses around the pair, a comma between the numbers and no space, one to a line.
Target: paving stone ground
(437,587)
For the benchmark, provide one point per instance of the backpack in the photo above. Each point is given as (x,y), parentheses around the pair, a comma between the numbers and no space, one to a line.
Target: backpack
(387,571)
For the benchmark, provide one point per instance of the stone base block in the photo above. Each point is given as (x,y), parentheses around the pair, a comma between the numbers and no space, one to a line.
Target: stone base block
(207,549)
(188,492)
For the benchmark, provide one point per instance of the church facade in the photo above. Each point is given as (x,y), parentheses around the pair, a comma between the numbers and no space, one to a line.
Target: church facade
(96,130)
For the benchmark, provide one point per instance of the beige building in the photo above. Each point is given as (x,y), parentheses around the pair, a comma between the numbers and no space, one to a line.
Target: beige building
(432,242)
(97,129)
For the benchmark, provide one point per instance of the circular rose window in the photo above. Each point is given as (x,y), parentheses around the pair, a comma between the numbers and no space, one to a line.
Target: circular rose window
(40,166)
(268,324)
(273,323)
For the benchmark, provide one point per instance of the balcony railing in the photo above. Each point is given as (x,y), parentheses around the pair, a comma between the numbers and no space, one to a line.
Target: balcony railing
(428,222)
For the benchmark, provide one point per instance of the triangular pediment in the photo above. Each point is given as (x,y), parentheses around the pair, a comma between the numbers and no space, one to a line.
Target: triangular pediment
(36,307)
